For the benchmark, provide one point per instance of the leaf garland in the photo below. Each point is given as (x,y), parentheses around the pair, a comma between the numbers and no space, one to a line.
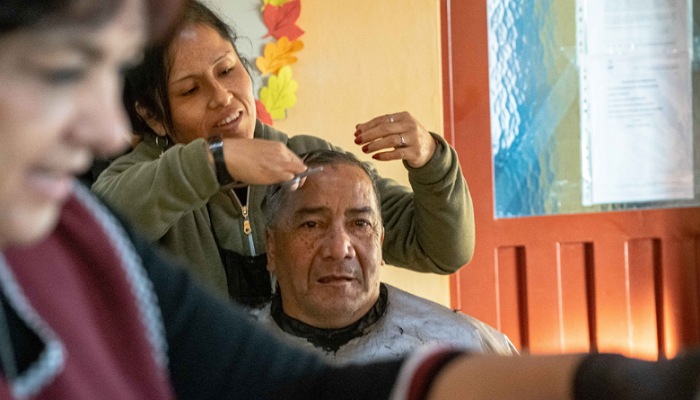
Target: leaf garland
(282,21)
(261,113)
(279,93)
(275,3)
(277,55)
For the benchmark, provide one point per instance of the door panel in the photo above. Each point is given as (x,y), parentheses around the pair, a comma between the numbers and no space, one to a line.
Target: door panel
(511,290)
(622,281)
(573,269)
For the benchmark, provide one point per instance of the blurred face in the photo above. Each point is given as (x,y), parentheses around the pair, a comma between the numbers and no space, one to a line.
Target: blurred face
(60,104)
(209,89)
(326,248)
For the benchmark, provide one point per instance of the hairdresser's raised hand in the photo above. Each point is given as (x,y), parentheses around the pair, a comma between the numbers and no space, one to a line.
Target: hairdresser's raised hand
(396,136)
(261,162)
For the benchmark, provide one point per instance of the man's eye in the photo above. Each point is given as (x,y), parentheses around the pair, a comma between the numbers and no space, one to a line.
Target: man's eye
(362,223)
(309,224)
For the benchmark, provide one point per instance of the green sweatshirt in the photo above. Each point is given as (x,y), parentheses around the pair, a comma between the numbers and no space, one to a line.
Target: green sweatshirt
(174,199)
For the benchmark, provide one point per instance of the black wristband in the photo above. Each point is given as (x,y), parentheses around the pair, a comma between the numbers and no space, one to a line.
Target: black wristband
(614,377)
(216,147)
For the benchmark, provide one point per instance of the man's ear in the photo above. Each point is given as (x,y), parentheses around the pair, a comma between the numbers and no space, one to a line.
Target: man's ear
(270,249)
(151,120)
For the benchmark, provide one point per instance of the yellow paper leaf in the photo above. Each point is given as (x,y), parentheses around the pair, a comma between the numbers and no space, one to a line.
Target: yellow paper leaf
(277,55)
(276,3)
(280,93)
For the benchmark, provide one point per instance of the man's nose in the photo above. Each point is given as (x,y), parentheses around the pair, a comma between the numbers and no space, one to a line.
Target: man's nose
(337,243)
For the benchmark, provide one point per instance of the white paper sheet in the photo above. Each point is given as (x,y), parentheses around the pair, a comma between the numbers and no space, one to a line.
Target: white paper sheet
(636,100)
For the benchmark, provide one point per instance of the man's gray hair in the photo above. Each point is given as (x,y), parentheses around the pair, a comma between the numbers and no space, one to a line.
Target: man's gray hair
(277,194)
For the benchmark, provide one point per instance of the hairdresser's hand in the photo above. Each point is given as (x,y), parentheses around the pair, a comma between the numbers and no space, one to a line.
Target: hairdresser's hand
(396,137)
(261,162)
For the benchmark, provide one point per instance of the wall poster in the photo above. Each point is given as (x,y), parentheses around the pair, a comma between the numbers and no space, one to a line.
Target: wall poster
(634,61)
(595,105)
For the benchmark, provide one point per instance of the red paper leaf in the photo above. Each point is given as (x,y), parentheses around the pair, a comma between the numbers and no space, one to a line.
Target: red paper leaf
(261,113)
(281,21)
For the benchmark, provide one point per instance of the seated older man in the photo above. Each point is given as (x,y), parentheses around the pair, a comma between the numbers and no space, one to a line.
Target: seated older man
(324,246)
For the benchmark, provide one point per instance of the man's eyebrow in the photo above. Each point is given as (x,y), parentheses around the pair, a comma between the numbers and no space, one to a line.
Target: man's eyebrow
(319,210)
(360,210)
(304,211)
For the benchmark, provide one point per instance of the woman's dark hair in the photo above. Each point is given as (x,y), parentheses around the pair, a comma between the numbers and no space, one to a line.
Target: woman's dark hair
(23,14)
(147,84)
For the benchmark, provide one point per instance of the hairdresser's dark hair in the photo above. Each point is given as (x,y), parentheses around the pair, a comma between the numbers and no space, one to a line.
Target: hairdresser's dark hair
(276,195)
(28,14)
(147,84)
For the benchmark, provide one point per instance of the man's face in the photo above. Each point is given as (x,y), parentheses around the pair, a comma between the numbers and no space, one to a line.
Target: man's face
(326,248)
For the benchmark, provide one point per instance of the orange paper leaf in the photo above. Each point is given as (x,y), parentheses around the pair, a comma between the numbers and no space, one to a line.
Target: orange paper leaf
(277,55)
(281,21)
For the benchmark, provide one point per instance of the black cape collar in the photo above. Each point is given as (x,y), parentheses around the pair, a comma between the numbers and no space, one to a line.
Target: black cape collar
(328,339)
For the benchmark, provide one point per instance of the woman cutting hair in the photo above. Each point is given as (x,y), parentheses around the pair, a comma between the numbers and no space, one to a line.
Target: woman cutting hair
(196,181)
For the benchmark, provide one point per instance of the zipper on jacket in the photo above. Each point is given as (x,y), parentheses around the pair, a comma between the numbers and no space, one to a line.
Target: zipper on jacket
(247,228)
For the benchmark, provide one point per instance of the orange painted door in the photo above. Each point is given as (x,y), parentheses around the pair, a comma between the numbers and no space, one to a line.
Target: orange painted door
(613,281)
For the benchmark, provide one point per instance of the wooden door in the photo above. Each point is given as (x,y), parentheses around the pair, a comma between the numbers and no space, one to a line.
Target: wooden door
(615,281)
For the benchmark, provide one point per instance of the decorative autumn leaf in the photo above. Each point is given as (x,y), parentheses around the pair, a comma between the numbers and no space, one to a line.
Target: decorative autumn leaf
(281,21)
(280,93)
(275,3)
(277,55)
(261,113)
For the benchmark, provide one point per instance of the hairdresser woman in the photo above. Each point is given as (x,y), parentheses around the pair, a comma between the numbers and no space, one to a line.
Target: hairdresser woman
(192,103)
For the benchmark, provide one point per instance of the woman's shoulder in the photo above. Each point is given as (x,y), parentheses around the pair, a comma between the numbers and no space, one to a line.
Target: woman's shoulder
(267,132)
(143,151)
